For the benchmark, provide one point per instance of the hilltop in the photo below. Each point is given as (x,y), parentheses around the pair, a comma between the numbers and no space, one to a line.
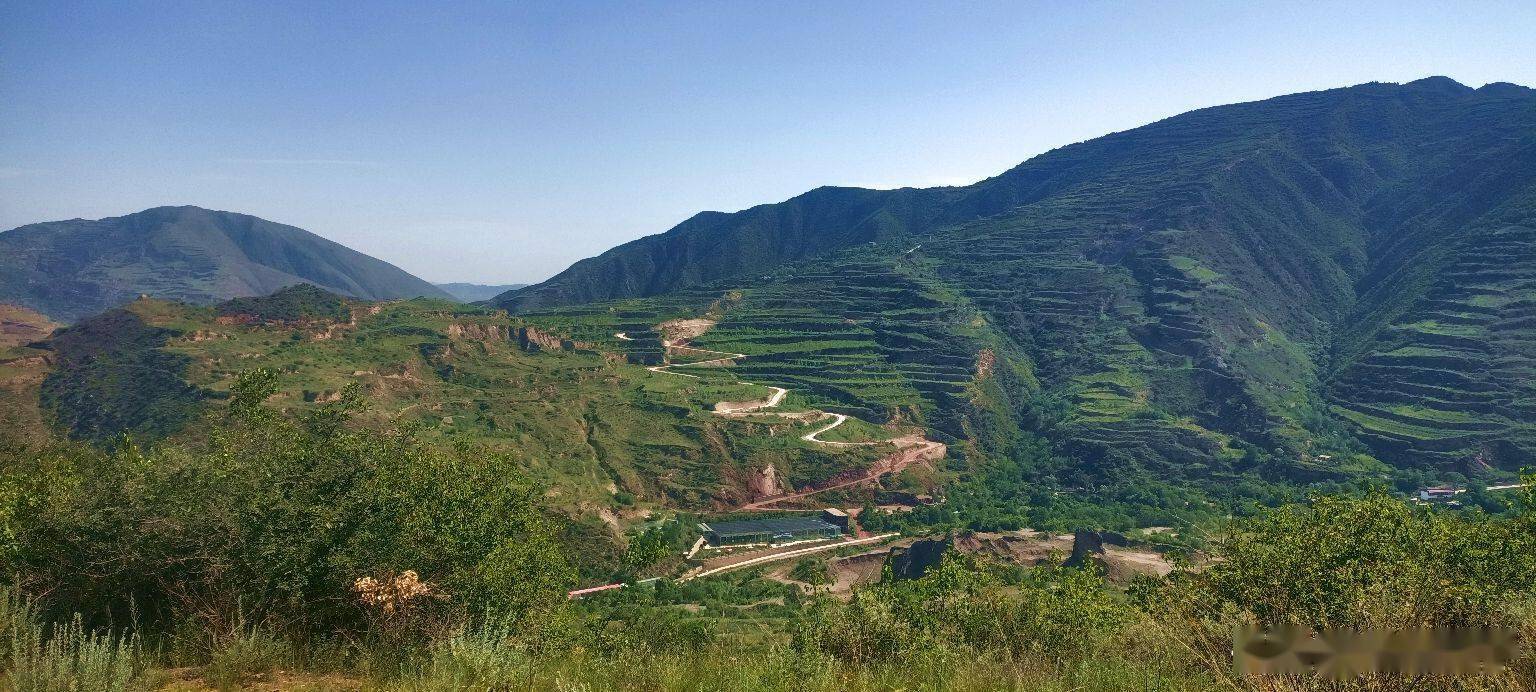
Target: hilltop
(70,269)
(1314,286)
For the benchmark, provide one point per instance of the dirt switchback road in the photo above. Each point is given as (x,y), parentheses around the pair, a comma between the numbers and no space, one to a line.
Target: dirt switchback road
(911,449)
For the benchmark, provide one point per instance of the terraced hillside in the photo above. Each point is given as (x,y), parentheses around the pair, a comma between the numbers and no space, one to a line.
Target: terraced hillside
(19,326)
(1455,374)
(1304,287)
(882,339)
(612,439)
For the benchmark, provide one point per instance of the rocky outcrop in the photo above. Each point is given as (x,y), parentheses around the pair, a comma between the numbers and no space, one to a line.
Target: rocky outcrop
(765,483)
(915,560)
(476,331)
(985,361)
(535,339)
(1087,548)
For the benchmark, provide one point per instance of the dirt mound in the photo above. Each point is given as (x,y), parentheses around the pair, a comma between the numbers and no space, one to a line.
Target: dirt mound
(1120,564)
(681,331)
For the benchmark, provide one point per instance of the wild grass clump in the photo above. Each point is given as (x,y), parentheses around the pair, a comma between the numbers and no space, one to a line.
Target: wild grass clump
(489,656)
(68,657)
(244,654)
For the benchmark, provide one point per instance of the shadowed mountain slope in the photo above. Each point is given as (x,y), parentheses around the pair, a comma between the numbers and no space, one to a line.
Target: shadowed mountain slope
(71,269)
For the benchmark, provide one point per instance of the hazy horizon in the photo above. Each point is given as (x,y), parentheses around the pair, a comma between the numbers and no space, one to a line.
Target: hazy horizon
(496,145)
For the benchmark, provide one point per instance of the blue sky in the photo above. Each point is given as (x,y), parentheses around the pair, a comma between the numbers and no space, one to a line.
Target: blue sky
(499,142)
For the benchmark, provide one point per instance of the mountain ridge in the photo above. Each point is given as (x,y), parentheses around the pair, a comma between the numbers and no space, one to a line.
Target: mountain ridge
(990,195)
(1235,288)
(79,267)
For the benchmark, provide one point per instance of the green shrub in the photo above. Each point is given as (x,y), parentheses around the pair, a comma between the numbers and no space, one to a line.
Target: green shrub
(1373,561)
(811,571)
(488,656)
(279,513)
(1051,613)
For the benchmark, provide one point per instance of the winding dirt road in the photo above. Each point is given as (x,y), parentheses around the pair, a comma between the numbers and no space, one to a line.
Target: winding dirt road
(910,448)
(744,408)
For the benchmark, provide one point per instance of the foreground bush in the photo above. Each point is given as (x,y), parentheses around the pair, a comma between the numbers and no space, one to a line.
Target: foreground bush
(1374,562)
(305,542)
(961,608)
(272,519)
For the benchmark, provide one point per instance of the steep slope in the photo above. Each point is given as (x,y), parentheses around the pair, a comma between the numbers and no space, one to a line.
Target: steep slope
(70,269)
(1237,289)
(712,245)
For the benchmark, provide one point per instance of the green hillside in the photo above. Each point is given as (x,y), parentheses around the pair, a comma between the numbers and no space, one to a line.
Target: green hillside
(72,269)
(1298,288)
(573,414)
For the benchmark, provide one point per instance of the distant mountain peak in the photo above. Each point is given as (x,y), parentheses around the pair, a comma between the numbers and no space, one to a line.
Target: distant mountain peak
(71,269)
(1440,82)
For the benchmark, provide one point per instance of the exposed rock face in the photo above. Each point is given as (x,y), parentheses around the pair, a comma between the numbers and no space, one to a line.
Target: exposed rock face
(473,331)
(681,331)
(765,483)
(328,332)
(1087,546)
(917,559)
(911,449)
(985,361)
(1106,550)
(535,339)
